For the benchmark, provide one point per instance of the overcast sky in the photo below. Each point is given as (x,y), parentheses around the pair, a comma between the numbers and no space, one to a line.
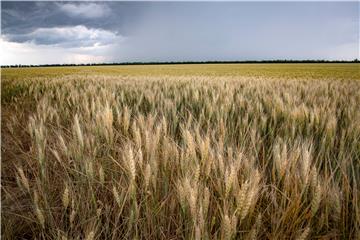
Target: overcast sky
(92,32)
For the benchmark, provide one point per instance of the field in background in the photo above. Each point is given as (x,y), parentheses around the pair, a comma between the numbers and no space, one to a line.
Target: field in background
(249,151)
(298,70)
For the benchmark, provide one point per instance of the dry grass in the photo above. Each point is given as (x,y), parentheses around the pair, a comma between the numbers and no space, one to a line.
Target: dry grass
(192,157)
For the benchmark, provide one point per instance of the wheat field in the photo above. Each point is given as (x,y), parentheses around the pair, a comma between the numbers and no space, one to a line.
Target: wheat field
(184,152)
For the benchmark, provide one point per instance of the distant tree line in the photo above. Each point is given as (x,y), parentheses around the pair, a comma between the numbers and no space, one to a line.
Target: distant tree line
(183,62)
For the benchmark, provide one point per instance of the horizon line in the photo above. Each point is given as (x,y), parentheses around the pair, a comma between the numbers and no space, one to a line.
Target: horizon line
(180,63)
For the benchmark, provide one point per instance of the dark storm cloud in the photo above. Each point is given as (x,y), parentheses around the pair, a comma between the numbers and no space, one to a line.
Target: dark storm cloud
(21,21)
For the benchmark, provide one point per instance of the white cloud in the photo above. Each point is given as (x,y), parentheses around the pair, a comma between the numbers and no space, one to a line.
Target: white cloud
(30,53)
(74,36)
(85,10)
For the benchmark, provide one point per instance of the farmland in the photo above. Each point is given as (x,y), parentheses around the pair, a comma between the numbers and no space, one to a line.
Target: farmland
(236,151)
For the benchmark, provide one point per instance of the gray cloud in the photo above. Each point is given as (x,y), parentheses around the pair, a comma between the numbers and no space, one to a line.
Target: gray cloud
(25,17)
